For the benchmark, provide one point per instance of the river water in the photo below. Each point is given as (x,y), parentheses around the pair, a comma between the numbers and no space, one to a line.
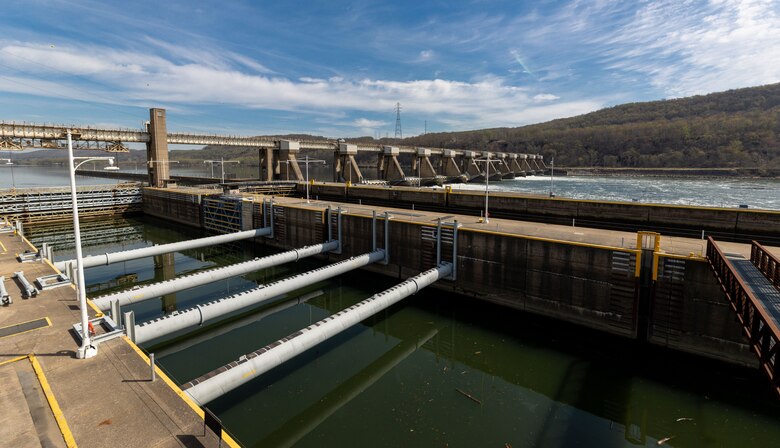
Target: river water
(717,192)
(435,370)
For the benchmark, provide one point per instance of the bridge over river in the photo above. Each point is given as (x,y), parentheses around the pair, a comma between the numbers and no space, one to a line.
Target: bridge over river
(279,158)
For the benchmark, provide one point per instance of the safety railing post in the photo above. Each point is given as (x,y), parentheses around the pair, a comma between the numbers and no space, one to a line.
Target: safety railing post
(116,313)
(130,325)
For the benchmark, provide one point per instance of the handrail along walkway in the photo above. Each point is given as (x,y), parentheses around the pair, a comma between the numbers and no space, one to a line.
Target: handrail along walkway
(759,324)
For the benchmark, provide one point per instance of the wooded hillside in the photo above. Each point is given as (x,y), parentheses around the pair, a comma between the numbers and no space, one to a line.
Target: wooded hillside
(737,128)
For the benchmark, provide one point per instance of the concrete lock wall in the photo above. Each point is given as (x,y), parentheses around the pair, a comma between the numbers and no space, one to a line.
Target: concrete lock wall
(690,312)
(584,284)
(183,208)
(649,216)
(576,283)
(587,285)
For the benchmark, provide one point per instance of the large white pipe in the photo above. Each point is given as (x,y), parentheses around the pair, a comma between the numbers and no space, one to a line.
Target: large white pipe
(191,341)
(116,257)
(141,293)
(221,381)
(210,311)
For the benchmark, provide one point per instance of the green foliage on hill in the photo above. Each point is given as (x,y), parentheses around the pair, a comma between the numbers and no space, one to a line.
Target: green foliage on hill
(737,128)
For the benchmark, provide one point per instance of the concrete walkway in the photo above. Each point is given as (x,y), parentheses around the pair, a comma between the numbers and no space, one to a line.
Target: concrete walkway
(105,401)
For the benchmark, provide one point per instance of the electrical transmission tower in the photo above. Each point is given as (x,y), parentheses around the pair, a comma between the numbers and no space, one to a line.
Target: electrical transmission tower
(398,132)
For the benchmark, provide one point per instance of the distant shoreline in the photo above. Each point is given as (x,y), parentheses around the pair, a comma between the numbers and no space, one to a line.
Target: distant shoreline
(671,172)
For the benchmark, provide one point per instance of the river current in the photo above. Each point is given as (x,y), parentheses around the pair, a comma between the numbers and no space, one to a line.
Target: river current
(716,191)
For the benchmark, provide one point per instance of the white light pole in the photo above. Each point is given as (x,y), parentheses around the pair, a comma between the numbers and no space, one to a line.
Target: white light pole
(552,171)
(87,350)
(222,163)
(307,161)
(487,183)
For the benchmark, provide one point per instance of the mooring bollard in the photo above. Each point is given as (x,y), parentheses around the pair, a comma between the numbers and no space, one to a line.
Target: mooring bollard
(151,365)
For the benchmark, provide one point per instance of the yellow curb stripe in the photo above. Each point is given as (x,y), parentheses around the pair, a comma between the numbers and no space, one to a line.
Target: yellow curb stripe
(98,311)
(9,361)
(683,257)
(28,243)
(176,389)
(70,442)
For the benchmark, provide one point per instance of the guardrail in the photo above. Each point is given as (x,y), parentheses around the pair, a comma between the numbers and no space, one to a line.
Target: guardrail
(768,264)
(757,324)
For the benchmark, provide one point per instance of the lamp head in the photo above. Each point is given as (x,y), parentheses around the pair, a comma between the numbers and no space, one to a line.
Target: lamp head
(111,166)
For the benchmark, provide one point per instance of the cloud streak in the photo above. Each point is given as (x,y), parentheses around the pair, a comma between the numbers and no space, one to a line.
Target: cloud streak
(136,78)
(696,47)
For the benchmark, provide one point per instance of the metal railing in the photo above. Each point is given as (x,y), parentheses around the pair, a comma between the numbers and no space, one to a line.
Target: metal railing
(757,324)
(768,264)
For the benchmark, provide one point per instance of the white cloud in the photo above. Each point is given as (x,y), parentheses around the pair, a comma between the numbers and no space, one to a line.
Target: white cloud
(369,124)
(133,78)
(545,97)
(698,47)
(425,55)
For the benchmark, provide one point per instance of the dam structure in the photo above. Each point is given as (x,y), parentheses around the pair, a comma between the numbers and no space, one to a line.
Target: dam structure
(703,281)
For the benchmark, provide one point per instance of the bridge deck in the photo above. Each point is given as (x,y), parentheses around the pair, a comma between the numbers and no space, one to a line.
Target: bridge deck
(104,401)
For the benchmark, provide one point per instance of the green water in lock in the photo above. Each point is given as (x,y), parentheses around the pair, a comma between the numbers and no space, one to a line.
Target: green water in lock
(435,370)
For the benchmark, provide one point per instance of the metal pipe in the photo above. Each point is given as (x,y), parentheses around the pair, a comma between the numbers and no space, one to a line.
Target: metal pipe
(5,299)
(28,289)
(142,293)
(216,309)
(192,340)
(116,257)
(213,385)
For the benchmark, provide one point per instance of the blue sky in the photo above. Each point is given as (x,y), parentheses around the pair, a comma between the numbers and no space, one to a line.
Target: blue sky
(337,68)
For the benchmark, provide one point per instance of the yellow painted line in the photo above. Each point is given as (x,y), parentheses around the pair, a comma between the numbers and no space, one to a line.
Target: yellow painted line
(48,324)
(177,390)
(691,257)
(5,250)
(29,243)
(98,311)
(655,266)
(9,361)
(70,442)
